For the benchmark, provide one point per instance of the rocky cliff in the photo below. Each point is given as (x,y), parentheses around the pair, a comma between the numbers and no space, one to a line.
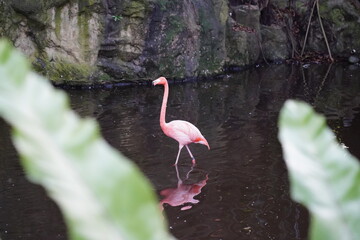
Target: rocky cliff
(87,41)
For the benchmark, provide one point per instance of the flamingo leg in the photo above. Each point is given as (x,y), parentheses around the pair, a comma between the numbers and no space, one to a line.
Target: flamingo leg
(178,175)
(187,175)
(177,158)
(192,157)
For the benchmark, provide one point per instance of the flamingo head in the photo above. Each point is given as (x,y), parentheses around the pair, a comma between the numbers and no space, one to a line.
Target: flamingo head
(202,141)
(160,80)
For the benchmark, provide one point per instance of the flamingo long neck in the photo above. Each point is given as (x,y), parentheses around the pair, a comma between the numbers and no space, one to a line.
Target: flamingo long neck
(163,106)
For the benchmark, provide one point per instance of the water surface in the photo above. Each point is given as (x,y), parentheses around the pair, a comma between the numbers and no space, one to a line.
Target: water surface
(237,190)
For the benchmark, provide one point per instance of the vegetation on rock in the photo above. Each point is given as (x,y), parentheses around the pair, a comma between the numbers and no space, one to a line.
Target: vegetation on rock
(142,39)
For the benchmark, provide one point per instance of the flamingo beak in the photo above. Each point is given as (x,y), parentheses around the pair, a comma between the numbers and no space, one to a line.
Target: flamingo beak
(204,142)
(155,82)
(207,144)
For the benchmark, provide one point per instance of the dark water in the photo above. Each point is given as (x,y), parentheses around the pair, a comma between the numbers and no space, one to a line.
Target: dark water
(239,189)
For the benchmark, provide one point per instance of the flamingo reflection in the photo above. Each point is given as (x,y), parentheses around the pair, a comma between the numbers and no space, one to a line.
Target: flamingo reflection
(183,194)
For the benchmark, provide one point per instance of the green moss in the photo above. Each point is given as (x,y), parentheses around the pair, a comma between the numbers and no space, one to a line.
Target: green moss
(84,35)
(85,4)
(172,66)
(204,21)
(352,35)
(336,16)
(223,12)
(162,4)
(84,16)
(104,77)
(301,7)
(61,71)
(58,22)
(175,27)
(166,4)
(134,9)
(210,61)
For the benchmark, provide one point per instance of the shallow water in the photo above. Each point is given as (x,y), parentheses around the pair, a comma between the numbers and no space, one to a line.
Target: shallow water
(237,190)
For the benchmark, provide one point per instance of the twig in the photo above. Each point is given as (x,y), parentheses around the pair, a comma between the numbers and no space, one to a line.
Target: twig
(306,87)
(323,31)
(260,45)
(291,36)
(323,81)
(308,27)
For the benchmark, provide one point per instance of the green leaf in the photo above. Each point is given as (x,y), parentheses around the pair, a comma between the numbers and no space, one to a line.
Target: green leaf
(101,193)
(323,175)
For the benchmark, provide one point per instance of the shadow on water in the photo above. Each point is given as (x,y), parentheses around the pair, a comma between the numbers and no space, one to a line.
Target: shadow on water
(237,190)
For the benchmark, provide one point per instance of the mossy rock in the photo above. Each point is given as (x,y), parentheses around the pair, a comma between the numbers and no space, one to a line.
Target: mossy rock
(172,66)
(175,27)
(85,5)
(102,77)
(28,7)
(337,16)
(275,44)
(61,71)
(342,18)
(166,4)
(301,6)
(280,3)
(134,9)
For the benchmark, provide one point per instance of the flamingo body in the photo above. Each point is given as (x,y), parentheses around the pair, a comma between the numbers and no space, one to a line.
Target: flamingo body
(182,131)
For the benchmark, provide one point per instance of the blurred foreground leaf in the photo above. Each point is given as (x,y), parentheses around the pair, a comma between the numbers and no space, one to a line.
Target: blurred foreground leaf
(101,194)
(323,176)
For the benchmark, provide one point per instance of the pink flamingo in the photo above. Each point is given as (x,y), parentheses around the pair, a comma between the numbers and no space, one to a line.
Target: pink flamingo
(182,131)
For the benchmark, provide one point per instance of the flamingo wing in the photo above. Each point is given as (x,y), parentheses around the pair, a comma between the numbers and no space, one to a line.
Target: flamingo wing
(182,131)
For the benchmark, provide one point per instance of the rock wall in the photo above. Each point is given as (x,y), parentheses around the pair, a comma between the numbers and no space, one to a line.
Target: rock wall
(87,41)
